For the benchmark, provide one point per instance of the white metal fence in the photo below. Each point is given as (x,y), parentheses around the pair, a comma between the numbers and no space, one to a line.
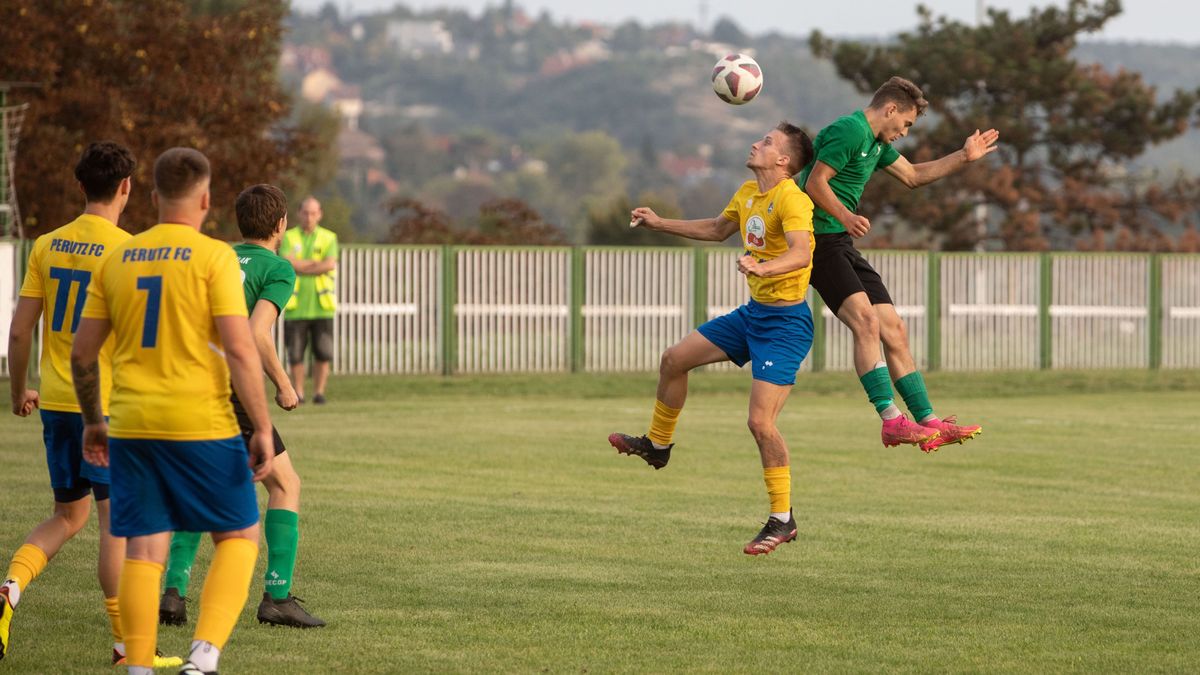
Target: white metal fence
(483,309)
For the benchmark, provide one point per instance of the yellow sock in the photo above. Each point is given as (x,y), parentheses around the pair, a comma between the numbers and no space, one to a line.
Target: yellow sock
(662,425)
(137,596)
(27,563)
(779,488)
(112,606)
(225,590)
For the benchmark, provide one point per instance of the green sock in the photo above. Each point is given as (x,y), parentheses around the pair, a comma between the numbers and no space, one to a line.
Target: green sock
(179,565)
(879,388)
(912,388)
(283,538)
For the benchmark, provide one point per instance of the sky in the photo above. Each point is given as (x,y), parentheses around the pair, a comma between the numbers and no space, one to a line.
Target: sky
(1174,21)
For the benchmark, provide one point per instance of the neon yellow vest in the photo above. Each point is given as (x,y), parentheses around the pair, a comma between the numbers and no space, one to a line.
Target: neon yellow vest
(316,248)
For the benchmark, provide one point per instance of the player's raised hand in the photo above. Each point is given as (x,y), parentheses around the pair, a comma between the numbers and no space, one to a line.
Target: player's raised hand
(95,443)
(644,216)
(858,226)
(262,451)
(24,404)
(979,145)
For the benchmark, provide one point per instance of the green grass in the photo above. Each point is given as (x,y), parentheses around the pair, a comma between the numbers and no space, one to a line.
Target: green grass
(483,524)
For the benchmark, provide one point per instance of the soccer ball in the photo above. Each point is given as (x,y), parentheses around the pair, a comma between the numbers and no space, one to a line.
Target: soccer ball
(737,79)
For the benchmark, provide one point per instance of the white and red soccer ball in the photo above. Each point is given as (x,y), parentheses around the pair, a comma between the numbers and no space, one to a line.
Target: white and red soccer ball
(737,79)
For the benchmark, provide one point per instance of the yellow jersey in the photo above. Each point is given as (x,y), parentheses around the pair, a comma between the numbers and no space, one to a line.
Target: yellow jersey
(764,217)
(161,290)
(61,268)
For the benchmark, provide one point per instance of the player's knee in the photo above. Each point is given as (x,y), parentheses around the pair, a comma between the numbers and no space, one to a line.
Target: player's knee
(285,483)
(864,324)
(761,427)
(669,363)
(893,332)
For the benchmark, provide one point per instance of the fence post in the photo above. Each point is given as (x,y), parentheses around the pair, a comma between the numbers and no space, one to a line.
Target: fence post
(449,300)
(578,296)
(1155,311)
(699,285)
(1045,332)
(817,306)
(933,312)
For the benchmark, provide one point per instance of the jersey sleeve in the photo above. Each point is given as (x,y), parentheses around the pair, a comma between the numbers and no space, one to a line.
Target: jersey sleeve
(797,212)
(225,294)
(279,285)
(887,156)
(96,305)
(732,210)
(839,145)
(332,252)
(34,286)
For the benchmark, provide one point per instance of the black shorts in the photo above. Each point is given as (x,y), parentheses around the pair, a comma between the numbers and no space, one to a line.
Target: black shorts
(247,427)
(840,271)
(298,333)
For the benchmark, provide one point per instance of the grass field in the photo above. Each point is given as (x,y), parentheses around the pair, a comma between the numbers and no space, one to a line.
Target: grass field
(484,524)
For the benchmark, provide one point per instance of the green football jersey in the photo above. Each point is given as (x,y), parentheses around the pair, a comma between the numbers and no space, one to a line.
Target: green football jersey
(848,147)
(265,276)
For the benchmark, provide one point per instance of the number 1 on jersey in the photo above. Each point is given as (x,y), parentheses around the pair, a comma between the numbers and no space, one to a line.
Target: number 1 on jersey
(153,288)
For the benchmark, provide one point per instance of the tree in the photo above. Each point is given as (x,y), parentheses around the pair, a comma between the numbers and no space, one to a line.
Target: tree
(726,30)
(151,75)
(1067,129)
(501,221)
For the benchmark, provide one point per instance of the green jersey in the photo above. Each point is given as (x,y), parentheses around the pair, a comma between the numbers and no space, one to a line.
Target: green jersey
(850,148)
(265,276)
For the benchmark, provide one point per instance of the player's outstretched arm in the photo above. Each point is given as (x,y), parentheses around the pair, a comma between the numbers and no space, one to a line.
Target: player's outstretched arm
(262,318)
(822,195)
(245,368)
(85,374)
(704,229)
(977,146)
(20,346)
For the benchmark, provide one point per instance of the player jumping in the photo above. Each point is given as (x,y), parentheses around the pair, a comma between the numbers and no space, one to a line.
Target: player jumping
(773,331)
(848,152)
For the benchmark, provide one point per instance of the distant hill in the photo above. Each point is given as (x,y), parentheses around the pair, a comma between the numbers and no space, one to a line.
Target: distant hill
(508,81)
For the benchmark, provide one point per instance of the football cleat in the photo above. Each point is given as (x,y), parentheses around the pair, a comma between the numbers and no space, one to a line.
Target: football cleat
(172,608)
(286,612)
(160,661)
(949,431)
(6,615)
(190,668)
(774,533)
(318,399)
(641,446)
(903,430)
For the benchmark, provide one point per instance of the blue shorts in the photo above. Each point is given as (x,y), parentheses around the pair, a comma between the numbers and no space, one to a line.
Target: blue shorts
(190,486)
(773,339)
(71,477)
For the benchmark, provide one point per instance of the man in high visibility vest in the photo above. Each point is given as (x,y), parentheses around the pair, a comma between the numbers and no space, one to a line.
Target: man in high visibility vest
(308,318)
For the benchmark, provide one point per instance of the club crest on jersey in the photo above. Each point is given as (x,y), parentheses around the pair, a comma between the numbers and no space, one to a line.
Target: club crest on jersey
(756,231)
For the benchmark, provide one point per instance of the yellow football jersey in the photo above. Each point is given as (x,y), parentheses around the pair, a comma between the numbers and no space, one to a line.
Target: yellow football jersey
(763,219)
(61,268)
(161,290)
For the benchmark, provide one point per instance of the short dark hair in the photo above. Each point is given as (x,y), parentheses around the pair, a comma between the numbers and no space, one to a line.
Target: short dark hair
(800,147)
(102,167)
(259,209)
(903,93)
(178,170)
